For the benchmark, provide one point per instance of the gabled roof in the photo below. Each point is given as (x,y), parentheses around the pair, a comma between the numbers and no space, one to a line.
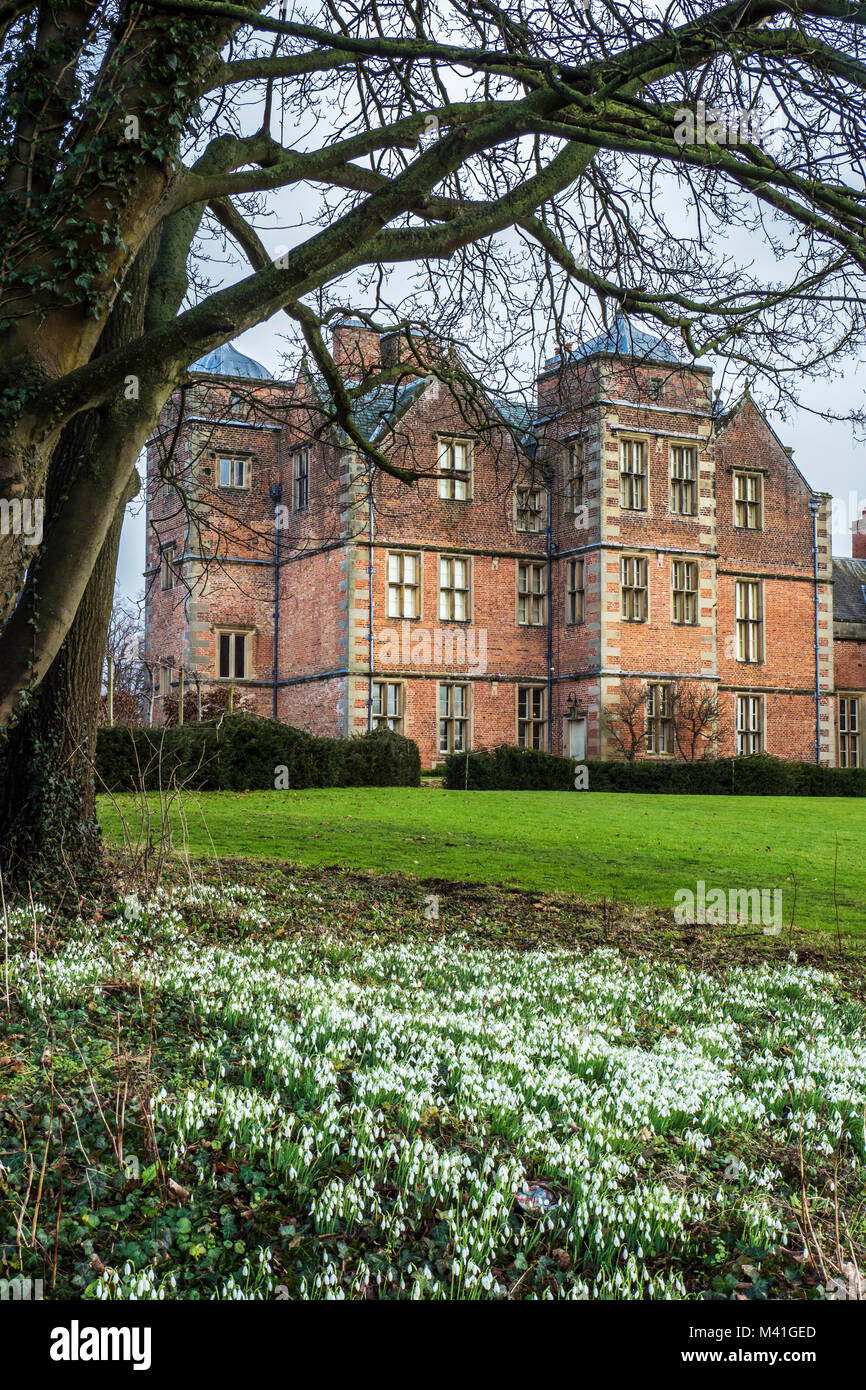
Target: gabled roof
(228,361)
(379,409)
(621,339)
(374,411)
(849,591)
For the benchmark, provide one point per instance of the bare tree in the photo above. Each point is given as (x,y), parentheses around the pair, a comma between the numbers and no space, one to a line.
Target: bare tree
(696,719)
(123,668)
(624,723)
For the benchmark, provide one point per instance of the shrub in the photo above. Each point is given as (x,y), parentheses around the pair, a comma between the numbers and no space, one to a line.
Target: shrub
(241,752)
(506,768)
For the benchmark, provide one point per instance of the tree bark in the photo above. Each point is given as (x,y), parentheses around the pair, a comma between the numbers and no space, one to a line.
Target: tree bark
(49,836)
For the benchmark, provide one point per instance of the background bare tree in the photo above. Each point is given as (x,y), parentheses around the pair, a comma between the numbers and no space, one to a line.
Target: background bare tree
(624,722)
(696,719)
(131,679)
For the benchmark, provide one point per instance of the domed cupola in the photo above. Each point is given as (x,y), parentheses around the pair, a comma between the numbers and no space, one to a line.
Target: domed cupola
(227,361)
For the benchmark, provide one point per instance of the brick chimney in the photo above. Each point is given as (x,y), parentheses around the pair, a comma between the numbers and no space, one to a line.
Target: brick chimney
(858,537)
(422,351)
(354,348)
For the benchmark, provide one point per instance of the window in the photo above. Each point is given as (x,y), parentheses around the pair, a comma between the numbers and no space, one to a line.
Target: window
(232,655)
(849,731)
(531,595)
(684,591)
(166,568)
(237,404)
(531,716)
(633,588)
(404,575)
(301,479)
(632,475)
(748,501)
(388,705)
(530,508)
(575,592)
(453,588)
(659,719)
(455,468)
(749,620)
(234,472)
(750,724)
(575,479)
(684,480)
(453,718)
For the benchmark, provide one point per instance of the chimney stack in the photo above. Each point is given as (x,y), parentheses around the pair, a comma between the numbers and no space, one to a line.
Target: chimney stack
(354,348)
(858,537)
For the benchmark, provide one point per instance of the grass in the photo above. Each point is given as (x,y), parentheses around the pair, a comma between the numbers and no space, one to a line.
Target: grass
(637,848)
(300,1085)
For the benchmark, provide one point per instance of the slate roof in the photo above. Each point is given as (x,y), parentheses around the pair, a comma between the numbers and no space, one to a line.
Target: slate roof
(849,591)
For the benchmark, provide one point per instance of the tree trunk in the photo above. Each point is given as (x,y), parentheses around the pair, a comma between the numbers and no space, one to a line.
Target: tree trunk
(49,837)
(48,831)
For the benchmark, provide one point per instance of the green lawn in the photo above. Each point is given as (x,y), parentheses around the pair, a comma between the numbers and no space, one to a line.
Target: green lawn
(639,848)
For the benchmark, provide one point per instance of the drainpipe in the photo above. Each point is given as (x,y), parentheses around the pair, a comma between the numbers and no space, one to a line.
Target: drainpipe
(814,508)
(370,523)
(548,474)
(276,495)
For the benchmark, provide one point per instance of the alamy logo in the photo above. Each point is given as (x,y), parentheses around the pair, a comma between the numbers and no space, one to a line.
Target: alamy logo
(704,126)
(409,645)
(21,1290)
(739,906)
(22,517)
(77,1343)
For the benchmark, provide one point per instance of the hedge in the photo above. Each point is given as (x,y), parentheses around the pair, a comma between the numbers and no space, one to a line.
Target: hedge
(530,769)
(241,752)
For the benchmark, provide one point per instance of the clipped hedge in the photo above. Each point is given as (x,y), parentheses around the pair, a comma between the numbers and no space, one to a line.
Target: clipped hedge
(241,752)
(514,769)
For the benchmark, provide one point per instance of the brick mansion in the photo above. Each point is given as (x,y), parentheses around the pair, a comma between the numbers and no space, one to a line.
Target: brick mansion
(568,578)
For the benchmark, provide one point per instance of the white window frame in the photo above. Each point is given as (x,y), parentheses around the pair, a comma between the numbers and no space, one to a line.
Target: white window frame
(850,713)
(300,480)
(389,705)
(531,593)
(633,475)
(749,724)
(748,509)
(399,588)
(659,719)
(232,634)
(532,722)
(238,470)
(454,595)
(683,479)
(633,582)
(575,479)
(456,461)
(529,509)
(575,592)
(749,620)
(454,714)
(685,582)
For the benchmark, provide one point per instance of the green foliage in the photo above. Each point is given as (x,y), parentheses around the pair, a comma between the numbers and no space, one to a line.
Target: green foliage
(518,769)
(242,752)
